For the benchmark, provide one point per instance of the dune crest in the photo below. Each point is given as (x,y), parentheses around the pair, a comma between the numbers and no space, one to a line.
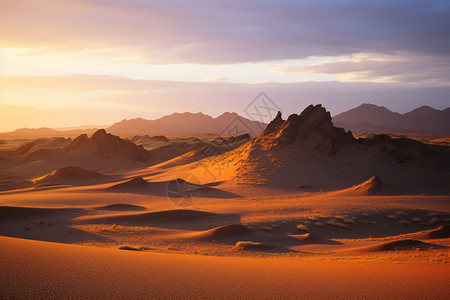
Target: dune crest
(442,232)
(369,187)
(221,232)
(397,246)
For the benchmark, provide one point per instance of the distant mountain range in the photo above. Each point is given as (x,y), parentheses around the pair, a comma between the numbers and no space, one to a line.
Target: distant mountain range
(369,118)
(366,118)
(189,123)
(46,132)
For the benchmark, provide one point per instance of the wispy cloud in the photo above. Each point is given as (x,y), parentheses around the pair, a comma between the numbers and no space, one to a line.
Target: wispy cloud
(371,67)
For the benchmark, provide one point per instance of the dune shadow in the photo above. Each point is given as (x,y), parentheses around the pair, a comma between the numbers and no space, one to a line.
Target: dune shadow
(120,207)
(311,239)
(179,218)
(176,188)
(9,213)
(44,224)
(55,234)
(398,245)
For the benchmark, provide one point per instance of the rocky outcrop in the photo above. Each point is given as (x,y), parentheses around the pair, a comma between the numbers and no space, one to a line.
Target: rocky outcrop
(313,124)
(107,145)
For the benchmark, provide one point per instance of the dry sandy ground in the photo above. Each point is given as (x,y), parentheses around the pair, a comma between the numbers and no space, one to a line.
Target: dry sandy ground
(61,230)
(33,270)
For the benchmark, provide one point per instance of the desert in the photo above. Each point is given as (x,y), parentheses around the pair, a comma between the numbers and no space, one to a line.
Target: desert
(300,206)
(224,149)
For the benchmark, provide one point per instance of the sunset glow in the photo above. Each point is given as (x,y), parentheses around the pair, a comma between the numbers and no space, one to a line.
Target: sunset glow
(137,58)
(224,149)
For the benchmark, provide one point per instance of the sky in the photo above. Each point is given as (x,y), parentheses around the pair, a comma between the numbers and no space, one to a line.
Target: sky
(65,63)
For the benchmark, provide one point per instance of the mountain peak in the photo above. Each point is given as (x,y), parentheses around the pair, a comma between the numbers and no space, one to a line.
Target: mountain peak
(99,133)
(227,114)
(370,118)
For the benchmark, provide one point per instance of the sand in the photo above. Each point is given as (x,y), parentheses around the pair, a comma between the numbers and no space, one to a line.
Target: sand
(229,225)
(32,269)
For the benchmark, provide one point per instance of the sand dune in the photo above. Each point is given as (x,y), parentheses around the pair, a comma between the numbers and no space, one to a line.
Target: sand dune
(175,188)
(8,213)
(371,186)
(71,175)
(130,184)
(19,151)
(121,207)
(442,232)
(234,233)
(36,270)
(168,216)
(224,232)
(397,246)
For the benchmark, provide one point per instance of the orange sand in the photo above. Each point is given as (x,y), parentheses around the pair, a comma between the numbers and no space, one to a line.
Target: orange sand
(33,269)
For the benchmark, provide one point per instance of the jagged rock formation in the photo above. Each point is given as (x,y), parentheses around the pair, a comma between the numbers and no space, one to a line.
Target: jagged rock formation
(313,123)
(314,126)
(107,145)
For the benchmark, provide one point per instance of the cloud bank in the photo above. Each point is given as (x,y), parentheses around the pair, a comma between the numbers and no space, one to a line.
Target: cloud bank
(215,32)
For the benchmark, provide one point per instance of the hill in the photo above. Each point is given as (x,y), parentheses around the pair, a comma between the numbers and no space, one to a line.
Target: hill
(308,150)
(107,145)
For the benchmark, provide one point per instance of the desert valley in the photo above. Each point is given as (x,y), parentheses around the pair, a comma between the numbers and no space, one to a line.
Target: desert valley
(269,214)
(224,149)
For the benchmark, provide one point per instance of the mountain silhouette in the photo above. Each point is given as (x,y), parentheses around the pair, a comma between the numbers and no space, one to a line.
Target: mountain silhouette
(369,118)
(189,123)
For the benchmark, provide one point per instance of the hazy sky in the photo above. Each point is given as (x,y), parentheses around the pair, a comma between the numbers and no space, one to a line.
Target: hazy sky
(72,62)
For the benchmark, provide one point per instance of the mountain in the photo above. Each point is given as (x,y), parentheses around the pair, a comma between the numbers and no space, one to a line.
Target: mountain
(189,123)
(308,150)
(369,118)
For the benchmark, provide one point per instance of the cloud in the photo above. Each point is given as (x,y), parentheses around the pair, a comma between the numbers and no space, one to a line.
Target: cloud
(87,99)
(216,79)
(85,82)
(398,67)
(216,32)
